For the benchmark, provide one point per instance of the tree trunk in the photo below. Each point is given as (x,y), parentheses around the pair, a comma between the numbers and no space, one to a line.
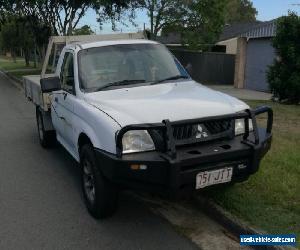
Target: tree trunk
(26,57)
(35,58)
(35,55)
(151,21)
(70,28)
(13,55)
(151,14)
(42,53)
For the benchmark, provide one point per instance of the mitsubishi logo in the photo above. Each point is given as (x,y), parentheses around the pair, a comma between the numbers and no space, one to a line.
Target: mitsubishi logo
(200,133)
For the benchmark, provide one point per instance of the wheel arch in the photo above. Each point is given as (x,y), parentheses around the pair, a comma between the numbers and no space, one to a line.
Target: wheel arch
(82,140)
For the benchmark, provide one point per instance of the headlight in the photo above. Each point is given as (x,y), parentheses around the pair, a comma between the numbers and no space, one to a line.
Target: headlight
(240,126)
(137,141)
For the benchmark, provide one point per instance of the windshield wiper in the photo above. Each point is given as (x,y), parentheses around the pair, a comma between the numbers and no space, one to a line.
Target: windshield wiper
(120,83)
(170,78)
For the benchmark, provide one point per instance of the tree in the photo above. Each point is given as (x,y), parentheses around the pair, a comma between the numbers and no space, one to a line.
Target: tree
(26,34)
(9,38)
(162,13)
(198,21)
(84,30)
(203,21)
(194,16)
(240,11)
(121,11)
(59,17)
(284,74)
(62,15)
(69,13)
(15,37)
(41,33)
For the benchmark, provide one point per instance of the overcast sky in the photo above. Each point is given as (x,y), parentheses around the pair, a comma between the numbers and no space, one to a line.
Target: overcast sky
(267,10)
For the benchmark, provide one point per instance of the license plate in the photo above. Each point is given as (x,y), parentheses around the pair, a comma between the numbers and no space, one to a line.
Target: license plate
(214,177)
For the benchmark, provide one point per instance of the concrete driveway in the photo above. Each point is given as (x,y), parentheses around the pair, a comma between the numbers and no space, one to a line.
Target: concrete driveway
(244,94)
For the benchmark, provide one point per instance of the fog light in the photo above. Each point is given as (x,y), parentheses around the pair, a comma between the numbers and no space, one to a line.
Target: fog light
(138,167)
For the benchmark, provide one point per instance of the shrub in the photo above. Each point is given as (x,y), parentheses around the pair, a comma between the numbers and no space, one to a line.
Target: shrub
(284,74)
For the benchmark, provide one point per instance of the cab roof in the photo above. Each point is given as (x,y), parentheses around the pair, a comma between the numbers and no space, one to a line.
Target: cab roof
(87,45)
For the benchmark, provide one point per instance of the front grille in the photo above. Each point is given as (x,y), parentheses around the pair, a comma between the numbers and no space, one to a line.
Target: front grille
(209,130)
(184,132)
(216,127)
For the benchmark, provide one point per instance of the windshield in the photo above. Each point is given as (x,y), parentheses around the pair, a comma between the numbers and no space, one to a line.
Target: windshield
(126,64)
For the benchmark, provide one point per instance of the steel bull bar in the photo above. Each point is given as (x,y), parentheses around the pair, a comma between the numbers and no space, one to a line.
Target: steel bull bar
(166,127)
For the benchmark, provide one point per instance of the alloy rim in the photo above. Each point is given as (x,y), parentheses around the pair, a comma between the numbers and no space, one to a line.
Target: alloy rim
(88,181)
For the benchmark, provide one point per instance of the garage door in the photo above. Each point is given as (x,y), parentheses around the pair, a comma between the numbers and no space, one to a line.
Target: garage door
(260,54)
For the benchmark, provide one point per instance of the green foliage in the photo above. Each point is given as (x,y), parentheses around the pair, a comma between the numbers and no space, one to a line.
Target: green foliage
(200,22)
(24,33)
(284,74)
(16,35)
(163,13)
(9,31)
(63,16)
(116,11)
(240,11)
(29,23)
(204,21)
(84,30)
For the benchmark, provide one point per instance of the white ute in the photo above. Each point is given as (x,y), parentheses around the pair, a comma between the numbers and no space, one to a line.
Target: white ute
(131,115)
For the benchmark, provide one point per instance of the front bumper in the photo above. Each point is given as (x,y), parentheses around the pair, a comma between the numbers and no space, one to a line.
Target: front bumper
(170,172)
(164,174)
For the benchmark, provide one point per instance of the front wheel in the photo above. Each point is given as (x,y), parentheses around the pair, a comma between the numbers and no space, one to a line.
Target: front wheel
(99,194)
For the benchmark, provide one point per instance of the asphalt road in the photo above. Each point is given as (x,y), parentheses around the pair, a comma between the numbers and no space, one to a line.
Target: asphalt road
(41,205)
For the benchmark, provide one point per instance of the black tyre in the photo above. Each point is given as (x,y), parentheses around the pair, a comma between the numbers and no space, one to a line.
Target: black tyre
(47,138)
(100,195)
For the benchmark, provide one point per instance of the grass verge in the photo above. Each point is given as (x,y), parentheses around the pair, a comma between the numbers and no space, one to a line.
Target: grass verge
(18,68)
(8,64)
(21,73)
(270,199)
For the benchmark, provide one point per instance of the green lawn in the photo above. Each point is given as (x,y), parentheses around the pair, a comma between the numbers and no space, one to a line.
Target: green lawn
(8,64)
(18,68)
(21,73)
(270,199)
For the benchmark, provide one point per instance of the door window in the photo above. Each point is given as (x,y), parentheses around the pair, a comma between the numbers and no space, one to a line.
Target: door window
(67,73)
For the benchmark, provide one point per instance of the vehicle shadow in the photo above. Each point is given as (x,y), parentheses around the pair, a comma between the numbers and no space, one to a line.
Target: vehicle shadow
(134,223)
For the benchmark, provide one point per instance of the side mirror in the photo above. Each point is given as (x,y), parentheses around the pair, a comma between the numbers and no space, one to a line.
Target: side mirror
(50,84)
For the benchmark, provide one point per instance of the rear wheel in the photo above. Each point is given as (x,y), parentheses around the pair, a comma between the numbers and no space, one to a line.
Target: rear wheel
(100,195)
(47,138)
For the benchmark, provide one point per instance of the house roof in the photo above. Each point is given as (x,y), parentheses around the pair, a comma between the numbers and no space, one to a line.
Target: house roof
(250,30)
(265,29)
(235,29)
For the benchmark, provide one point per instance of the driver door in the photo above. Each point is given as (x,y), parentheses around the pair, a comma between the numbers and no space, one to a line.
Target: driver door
(65,100)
